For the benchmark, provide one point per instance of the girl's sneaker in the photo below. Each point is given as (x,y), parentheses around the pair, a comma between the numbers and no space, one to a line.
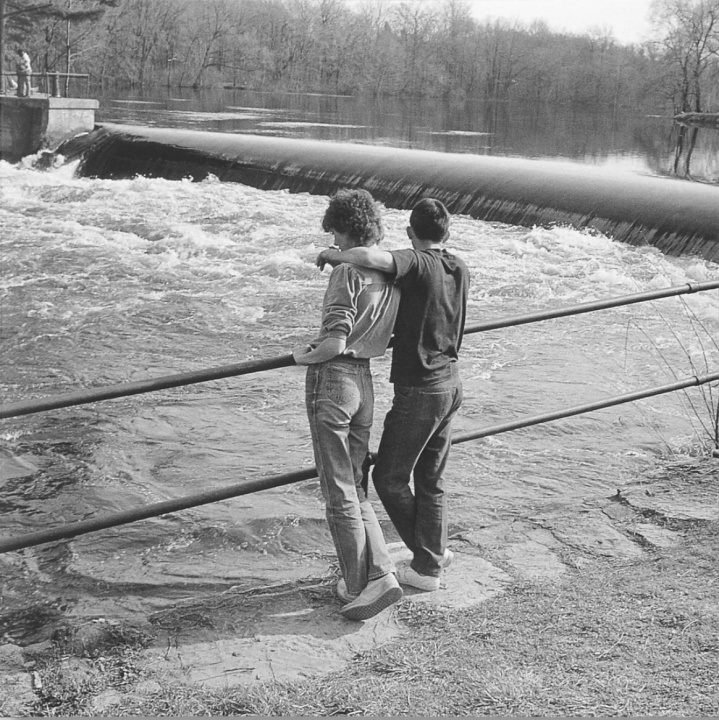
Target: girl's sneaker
(378,595)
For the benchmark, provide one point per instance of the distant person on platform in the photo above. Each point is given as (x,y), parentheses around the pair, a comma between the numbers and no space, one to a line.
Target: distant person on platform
(427,388)
(24,71)
(358,315)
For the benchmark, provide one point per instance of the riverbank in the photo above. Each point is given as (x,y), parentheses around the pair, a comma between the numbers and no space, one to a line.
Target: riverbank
(603,608)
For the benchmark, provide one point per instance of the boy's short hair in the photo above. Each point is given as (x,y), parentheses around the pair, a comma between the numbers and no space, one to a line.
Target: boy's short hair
(430,220)
(354,212)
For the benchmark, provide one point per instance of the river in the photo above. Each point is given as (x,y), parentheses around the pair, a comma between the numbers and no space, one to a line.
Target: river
(618,138)
(106,282)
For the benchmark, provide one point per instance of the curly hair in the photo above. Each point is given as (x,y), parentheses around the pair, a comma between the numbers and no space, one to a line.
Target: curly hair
(354,212)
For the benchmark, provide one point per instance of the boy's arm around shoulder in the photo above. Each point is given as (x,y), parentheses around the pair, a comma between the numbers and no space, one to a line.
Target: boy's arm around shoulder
(371,257)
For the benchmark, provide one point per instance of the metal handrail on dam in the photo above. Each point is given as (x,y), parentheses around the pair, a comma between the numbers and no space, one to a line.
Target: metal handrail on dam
(250,486)
(51,81)
(676,216)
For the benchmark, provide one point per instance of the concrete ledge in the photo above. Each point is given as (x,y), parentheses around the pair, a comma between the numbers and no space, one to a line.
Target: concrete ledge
(29,124)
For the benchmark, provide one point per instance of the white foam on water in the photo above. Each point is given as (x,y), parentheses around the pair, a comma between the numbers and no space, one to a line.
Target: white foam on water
(301,124)
(135,102)
(244,108)
(202,117)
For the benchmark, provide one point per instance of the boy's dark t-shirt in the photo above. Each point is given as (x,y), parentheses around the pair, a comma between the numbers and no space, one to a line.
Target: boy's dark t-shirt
(430,320)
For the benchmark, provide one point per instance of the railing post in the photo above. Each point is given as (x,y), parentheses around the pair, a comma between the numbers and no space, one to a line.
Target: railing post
(55,84)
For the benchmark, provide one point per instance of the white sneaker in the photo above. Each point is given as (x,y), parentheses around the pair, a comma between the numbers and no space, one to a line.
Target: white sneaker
(446,561)
(343,594)
(407,576)
(378,595)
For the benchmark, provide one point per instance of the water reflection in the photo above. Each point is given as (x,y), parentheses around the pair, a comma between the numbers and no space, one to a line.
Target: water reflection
(618,139)
(686,140)
(692,159)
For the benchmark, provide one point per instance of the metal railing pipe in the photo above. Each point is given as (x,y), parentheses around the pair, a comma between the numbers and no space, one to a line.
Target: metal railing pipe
(568,310)
(210,496)
(83,397)
(588,407)
(155,510)
(52,81)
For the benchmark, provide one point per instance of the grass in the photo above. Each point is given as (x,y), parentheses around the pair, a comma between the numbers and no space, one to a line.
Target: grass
(611,638)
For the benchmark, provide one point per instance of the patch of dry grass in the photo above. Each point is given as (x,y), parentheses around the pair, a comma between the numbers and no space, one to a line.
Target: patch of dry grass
(610,638)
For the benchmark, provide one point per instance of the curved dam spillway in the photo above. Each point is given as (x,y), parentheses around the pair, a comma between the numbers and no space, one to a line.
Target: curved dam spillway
(676,216)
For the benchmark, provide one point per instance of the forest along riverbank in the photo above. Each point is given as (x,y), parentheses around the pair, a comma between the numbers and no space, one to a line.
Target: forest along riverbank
(113,281)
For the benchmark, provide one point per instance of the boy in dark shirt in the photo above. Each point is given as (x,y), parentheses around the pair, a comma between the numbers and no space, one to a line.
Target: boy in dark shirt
(427,388)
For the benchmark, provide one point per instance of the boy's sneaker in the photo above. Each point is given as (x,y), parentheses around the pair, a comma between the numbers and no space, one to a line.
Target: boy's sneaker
(378,595)
(407,576)
(446,561)
(343,594)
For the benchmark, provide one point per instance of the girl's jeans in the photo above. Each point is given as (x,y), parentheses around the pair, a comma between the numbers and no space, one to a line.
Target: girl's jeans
(340,405)
(416,441)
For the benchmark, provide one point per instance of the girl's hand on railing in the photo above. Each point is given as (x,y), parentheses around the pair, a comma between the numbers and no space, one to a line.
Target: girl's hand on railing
(299,354)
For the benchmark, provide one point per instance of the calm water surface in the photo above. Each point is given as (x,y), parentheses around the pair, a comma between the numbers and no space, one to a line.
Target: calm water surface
(113,281)
(619,138)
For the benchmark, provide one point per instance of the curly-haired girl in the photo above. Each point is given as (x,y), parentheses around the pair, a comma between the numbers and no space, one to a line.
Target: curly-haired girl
(358,316)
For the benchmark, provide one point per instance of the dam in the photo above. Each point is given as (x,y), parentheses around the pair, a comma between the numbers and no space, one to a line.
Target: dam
(676,216)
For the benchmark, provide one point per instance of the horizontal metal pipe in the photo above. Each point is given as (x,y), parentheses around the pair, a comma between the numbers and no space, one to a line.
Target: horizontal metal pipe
(588,407)
(82,397)
(210,496)
(155,510)
(580,308)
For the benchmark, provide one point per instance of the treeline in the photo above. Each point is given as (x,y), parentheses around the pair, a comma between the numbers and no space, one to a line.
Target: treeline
(414,49)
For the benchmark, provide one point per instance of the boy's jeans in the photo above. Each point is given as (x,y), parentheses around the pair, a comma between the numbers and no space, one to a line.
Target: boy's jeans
(340,405)
(416,440)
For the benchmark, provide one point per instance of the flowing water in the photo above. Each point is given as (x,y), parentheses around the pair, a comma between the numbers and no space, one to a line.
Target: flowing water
(106,282)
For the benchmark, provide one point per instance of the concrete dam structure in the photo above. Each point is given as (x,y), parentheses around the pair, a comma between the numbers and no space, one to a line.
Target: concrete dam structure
(676,216)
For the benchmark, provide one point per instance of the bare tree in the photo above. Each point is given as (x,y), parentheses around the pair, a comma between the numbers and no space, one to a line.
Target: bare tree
(457,50)
(503,58)
(415,25)
(213,23)
(70,27)
(689,39)
(376,48)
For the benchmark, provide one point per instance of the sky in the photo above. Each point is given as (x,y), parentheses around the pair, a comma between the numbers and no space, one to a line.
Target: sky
(627,19)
